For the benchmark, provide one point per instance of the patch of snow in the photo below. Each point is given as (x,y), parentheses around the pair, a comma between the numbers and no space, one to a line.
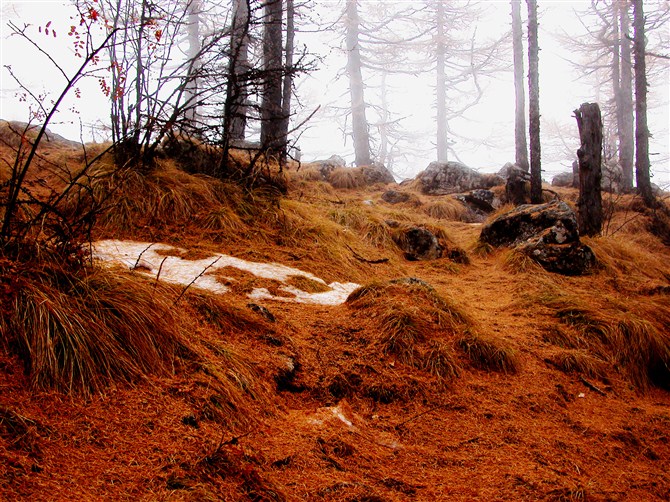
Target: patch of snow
(146,258)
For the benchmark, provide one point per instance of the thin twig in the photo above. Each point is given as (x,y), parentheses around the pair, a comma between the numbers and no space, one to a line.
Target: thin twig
(365,260)
(183,291)
(137,262)
(591,386)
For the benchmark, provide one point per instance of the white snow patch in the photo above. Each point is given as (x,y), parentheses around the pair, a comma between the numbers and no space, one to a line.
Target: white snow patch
(144,257)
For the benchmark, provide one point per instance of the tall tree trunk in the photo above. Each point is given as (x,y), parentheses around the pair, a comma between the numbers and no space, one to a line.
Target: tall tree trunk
(235,104)
(238,65)
(641,130)
(521,146)
(626,130)
(383,122)
(534,105)
(359,123)
(271,102)
(441,88)
(192,84)
(288,77)
(590,124)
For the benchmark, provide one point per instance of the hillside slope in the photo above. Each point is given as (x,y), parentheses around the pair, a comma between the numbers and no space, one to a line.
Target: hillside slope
(478,378)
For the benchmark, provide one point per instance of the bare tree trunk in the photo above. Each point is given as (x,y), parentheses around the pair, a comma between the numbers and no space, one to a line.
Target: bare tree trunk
(641,129)
(383,121)
(521,146)
(271,103)
(359,123)
(626,130)
(192,84)
(534,105)
(441,88)
(288,77)
(590,124)
(239,64)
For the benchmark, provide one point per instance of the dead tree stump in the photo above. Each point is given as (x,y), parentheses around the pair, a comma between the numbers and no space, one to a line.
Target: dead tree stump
(590,210)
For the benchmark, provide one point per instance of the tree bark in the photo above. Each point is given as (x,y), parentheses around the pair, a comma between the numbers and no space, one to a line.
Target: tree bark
(642,174)
(359,123)
(192,84)
(626,129)
(237,92)
(441,87)
(534,105)
(271,102)
(288,77)
(590,124)
(521,146)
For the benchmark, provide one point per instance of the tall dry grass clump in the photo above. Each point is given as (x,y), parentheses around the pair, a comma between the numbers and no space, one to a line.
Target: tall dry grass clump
(347,178)
(167,196)
(632,337)
(422,328)
(81,331)
(448,208)
(414,324)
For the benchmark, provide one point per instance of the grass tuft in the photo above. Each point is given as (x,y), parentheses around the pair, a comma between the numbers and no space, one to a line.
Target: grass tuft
(439,360)
(347,178)
(632,337)
(490,353)
(402,330)
(83,332)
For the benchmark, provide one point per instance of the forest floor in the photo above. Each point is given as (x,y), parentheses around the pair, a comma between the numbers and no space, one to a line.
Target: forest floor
(328,412)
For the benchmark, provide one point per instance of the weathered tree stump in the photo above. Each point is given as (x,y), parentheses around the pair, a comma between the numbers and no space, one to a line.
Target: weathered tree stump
(590,211)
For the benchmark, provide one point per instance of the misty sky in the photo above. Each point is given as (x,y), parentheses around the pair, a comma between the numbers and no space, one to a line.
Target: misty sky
(486,135)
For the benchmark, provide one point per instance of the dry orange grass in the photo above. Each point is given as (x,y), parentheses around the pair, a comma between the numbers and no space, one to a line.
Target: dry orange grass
(347,178)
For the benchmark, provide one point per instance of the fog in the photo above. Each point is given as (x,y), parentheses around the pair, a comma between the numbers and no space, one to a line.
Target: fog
(482,138)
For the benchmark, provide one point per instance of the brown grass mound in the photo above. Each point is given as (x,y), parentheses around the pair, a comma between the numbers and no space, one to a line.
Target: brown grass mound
(168,196)
(423,334)
(86,331)
(80,332)
(347,178)
(633,337)
(448,208)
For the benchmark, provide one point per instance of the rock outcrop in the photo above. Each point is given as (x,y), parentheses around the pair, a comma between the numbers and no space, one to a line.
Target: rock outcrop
(376,173)
(441,178)
(547,233)
(419,243)
(327,166)
(562,180)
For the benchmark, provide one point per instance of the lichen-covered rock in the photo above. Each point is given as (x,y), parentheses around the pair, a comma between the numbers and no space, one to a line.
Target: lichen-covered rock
(548,233)
(419,244)
(481,200)
(327,166)
(376,173)
(528,220)
(441,178)
(571,258)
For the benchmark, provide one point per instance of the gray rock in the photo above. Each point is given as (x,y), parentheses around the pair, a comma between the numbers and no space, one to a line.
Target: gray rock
(547,233)
(562,180)
(505,170)
(453,177)
(528,220)
(419,244)
(376,173)
(481,200)
(327,166)
(571,258)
